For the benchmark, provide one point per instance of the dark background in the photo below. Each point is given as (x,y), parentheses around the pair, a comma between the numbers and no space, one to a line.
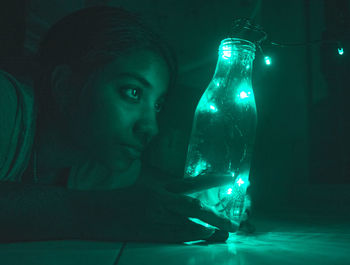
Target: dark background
(302,159)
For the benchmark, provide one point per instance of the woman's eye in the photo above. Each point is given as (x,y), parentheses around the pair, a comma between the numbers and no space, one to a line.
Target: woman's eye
(158,107)
(132,93)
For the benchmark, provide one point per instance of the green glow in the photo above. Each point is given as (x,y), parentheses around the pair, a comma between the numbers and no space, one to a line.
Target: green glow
(198,169)
(243,95)
(213,108)
(228,100)
(226,54)
(198,221)
(267,60)
(240,182)
(340,51)
(194,242)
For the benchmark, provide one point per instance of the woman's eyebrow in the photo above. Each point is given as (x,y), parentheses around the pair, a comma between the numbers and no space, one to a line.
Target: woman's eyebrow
(138,77)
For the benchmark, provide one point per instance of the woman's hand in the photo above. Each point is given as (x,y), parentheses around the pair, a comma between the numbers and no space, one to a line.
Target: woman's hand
(151,213)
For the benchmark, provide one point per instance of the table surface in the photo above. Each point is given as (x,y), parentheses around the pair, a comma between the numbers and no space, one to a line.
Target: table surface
(278,241)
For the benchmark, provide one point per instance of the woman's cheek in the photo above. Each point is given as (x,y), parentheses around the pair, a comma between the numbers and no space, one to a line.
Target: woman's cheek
(119,121)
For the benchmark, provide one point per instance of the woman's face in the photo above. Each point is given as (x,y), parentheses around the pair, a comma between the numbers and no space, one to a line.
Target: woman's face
(117,111)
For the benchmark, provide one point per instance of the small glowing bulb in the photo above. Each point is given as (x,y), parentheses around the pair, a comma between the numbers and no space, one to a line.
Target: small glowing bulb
(229,191)
(240,182)
(267,60)
(233,174)
(243,95)
(213,108)
(341,51)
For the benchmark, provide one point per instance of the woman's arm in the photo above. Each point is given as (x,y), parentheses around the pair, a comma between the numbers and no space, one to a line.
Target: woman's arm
(138,213)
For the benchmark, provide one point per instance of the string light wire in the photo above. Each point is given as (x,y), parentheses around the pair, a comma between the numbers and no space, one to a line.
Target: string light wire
(244,28)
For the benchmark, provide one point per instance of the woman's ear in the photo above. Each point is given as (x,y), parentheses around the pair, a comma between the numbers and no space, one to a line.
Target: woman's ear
(62,88)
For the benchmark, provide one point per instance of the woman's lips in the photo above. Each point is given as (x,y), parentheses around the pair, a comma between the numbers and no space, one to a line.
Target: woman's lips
(133,152)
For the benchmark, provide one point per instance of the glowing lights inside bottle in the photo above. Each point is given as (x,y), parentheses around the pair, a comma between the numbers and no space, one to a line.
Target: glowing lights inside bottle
(240,182)
(245,94)
(213,108)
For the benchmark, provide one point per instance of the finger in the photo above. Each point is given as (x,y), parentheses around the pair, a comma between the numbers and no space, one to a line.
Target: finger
(191,207)
(190,185)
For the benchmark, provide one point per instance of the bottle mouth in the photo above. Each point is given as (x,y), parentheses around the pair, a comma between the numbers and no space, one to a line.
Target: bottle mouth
(236,44)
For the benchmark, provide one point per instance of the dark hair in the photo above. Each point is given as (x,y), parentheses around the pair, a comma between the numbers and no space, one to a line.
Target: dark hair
(90,37)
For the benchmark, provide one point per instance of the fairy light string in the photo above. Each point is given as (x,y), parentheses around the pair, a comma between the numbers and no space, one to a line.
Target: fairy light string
(245,29)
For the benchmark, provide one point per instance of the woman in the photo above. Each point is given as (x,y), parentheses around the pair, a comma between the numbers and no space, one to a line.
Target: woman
(70,154)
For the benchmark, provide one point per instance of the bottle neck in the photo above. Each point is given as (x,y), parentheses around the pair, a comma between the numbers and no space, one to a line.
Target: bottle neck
(234,67)
(235,59)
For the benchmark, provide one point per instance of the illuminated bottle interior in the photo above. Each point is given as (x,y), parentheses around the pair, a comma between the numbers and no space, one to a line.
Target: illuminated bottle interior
(224,127)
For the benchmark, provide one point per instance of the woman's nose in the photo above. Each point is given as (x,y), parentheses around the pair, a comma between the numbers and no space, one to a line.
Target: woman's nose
(146,127)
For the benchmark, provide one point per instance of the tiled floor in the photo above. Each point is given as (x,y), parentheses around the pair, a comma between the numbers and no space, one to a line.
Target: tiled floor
(275,248)
(275,243)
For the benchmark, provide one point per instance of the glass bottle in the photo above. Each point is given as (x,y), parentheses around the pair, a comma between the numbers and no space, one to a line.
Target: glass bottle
(223,131)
